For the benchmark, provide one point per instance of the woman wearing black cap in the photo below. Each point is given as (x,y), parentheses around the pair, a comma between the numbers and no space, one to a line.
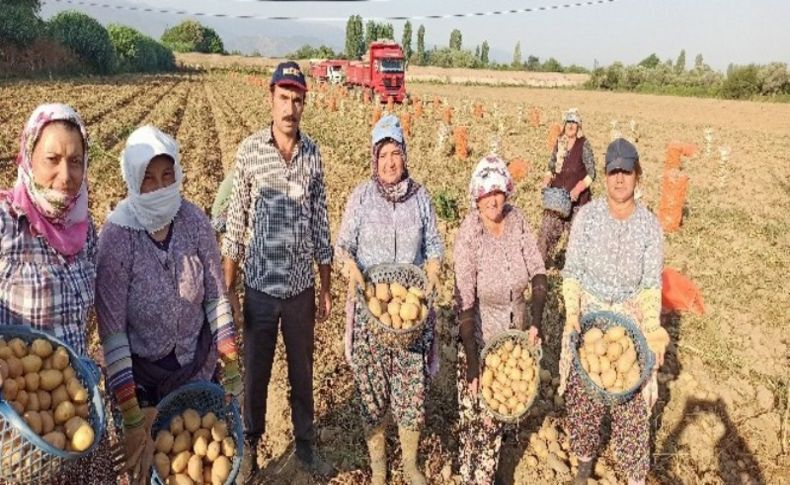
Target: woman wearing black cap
(613,262)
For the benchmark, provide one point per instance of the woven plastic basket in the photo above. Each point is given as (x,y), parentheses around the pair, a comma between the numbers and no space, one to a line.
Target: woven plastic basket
(25,456)
(645,358)
(557,200)
(408,275)
(202,396)
(521,338)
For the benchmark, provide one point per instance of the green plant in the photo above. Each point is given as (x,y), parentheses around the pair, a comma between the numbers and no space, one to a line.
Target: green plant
(136,52)
(446,205)
(85,37)
(191,36)
(19,25)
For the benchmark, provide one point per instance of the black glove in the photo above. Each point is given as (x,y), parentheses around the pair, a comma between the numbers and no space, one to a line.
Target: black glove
(540,286)
(467,332)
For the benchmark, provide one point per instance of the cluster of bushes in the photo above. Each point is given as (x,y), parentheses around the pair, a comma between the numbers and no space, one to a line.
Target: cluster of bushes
(651,75)
(191,36)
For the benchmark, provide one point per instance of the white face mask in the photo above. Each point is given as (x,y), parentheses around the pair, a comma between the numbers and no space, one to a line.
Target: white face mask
(156,209)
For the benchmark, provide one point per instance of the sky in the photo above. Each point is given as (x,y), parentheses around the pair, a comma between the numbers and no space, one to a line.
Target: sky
(723,31)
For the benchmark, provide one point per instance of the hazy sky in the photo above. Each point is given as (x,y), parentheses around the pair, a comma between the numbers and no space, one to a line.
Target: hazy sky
(724,31)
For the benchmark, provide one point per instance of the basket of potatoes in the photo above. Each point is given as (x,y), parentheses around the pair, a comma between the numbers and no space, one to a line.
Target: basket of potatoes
(511,375)
(394,303)
(198,437)
(51,412)
(611,356)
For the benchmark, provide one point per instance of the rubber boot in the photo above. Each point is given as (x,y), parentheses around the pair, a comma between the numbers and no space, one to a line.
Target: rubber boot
(249,462)
(378,455)
(409,443)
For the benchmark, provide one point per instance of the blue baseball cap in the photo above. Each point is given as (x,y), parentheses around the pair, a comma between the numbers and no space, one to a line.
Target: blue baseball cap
(388,127)
(621,155)
(289,74)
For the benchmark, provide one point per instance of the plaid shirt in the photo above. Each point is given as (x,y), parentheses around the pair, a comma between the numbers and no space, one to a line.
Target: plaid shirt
(39,287)
(277,220)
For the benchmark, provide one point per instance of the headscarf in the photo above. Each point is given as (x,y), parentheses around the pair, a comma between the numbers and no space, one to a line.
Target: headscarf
(155,210)
(490,175)
(570,116)
(60,219)
(388,129)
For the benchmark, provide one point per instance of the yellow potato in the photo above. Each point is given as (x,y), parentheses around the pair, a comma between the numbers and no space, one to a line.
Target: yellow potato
(59,395)
(32,402)
(50,379)
(383,292)
(516,353)
(413,299)
(15,368)
(220,430)
(31,363)
(604,363)
(41,348)
(18,347)
(220,470)
(164,441)
(417,292)
(176,425)
(179,463)
(22,398)
(44,400)
(56,439)
(397,322)
(6,352)
(487,378)
(33,419)
(80,432)
(180,479)
(592,336)
(162,465)
(374,305)
(608,377)
(594,363)
(10,390)
(613,334)
(596,378)
(632,378)
(228,447)
(68,373)
(18,408)
(182,441)
(47,422)
(423,312)
(208,420)
(3,371)
(195,468)
(626,361)
(492,361)
(60,359)
(487,394)
(82,410)
(398,290)
(213,451)
(386,319)
(76,390)
(200,446)
(191,420)
(409,311)
(205,433)
(370,291)
(600,347)
(407,324)
(393,308)
(614,350)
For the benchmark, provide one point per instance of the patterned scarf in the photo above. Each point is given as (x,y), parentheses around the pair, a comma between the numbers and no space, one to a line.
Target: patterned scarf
(401,190)
(62,220)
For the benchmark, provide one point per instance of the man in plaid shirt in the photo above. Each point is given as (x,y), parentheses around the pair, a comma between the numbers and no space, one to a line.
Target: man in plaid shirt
(277,224)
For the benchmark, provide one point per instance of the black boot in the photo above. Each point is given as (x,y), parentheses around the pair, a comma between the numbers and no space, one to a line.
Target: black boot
(310,461)
(249,462)
(583,473)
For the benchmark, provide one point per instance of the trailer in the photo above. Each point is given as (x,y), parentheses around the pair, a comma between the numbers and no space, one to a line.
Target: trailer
(381,72)
(331,71)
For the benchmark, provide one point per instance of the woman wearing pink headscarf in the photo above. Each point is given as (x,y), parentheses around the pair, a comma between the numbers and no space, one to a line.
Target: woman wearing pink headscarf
(48,246)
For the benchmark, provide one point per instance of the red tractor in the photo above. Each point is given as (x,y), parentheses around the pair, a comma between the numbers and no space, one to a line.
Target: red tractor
(381,72)
(329,71)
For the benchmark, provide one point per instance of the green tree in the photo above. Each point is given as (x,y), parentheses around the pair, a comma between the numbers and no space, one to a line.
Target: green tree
(551,65)
(742,82)
(455,39)
(406,41)
(699,63)
(386,31)
(32,6)
(680,63)
(517,56)
(533,63)
(191,36)
(371,32)
(484,50)
(85,37)
(421,45)
(136,52)
(650,61)
(19,25)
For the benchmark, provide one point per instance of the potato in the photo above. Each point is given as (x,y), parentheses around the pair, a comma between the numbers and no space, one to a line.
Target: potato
(220,470)
(407,324)
(492,361)
(626,361)
(41,348)
(56,439)
(594,363)
(60,359)
(50,379)
(164,441)
(76,390)
(44,400)
(206,433)
(18,408)
(183,441)
(32,381)
(412,298)
(409,311)
(487,378)
(608,377)
(220,430)
(596,378)
(386,319)
(228,447)
(195,468)
(516,353)
(59,395)
(393,308)
(3,371)
(592,335)
(64,412)
(613,334)
(374,305)
(32,402)
(600,347)
(632,377)
(397,322)
(15,368)
(72,425)
(383,292)
(614,350)
(200,446)
(68,373)
(162,465)
(83,436)
(398,290)
(6,352)
(191,420)
(604,364)
(18,347)
(423,312)
(179,463)
(82,410)
(180,479)
(177,425)
(33,419)
(47,422)
(208,420)
(10,390)
(213,451)
(370,291)
(22,398)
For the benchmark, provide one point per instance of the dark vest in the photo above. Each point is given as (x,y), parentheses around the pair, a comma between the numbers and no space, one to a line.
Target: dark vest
(573,171)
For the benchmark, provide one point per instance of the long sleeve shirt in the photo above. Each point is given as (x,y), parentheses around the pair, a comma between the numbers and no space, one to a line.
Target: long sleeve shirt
(277,221)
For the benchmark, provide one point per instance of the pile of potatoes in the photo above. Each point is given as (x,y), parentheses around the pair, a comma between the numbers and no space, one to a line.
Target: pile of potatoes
(610,359)
(39,382)
(510,378)
(395,305)
(194,449)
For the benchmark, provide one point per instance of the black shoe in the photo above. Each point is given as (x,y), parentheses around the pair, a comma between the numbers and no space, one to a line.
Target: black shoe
(249,463)
(310,461)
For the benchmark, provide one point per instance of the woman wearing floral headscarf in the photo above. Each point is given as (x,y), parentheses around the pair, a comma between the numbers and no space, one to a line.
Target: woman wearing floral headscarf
(48,245)
(496,260)
(164,316)
(389,219)
(571,167)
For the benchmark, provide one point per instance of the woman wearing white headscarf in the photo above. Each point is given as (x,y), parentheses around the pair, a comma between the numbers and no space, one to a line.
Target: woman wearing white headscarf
(496,261)
(164,316)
